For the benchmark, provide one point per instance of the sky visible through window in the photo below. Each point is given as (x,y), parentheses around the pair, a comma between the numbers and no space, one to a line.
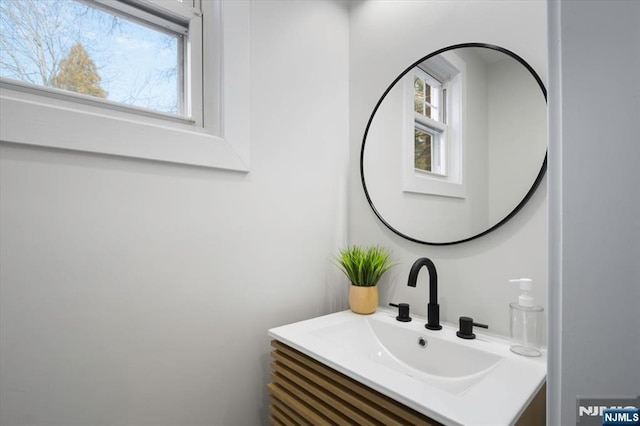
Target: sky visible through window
(135,64)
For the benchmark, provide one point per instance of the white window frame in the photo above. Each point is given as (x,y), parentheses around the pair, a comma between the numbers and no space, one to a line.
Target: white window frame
(217,135)
(449,179)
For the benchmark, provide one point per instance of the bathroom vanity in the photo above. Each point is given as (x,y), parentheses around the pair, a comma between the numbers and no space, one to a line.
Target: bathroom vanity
(346,368)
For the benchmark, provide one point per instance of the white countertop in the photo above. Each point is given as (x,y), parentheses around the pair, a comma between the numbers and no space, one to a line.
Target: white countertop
(497,398)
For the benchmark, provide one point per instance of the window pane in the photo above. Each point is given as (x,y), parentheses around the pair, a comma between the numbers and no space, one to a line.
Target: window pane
(422,93)
(72,46)
(418,87)
(418,95)
(433,102)
(422,150)
(427,92)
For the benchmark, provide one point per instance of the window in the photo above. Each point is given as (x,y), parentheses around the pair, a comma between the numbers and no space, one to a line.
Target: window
(108,51)
(433,117)
(139,78)
(429,123)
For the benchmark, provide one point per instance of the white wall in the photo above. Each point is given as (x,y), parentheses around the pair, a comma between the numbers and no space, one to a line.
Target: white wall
(476,151)
(517,130)
(140,293)
(594,203)
(385,38)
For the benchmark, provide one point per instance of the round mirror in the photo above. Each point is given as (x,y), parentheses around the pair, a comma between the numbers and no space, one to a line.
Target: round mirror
(456,145)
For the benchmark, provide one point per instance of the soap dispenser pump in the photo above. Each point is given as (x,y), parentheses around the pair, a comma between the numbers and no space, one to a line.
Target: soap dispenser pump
(525,321)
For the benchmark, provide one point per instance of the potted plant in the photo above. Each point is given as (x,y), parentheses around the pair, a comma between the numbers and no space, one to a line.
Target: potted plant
(364,266)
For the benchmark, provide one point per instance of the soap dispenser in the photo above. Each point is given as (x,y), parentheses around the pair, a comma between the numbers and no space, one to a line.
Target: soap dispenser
(525,322)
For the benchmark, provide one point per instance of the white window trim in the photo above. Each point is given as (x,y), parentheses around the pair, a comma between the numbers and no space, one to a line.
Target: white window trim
(421,182)
(223,142)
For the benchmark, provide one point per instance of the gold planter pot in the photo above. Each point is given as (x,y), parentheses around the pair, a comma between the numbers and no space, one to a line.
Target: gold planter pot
(363,300)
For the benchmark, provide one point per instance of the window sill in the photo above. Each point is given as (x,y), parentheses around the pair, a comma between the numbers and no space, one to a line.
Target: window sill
(432,185)
(41,124)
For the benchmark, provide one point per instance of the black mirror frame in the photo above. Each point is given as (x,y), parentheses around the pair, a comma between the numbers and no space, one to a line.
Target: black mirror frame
(520,205)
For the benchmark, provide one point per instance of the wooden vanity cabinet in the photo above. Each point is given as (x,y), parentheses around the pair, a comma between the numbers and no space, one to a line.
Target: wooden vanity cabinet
(304,391)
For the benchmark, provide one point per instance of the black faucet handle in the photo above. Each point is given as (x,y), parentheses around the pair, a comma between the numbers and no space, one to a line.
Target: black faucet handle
(466,328)
(403,311)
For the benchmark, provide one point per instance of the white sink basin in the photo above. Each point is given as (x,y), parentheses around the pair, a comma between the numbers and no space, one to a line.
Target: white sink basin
(433,372)
(428,357)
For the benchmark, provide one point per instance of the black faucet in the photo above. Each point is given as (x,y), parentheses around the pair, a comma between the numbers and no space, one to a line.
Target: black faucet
(433,309)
